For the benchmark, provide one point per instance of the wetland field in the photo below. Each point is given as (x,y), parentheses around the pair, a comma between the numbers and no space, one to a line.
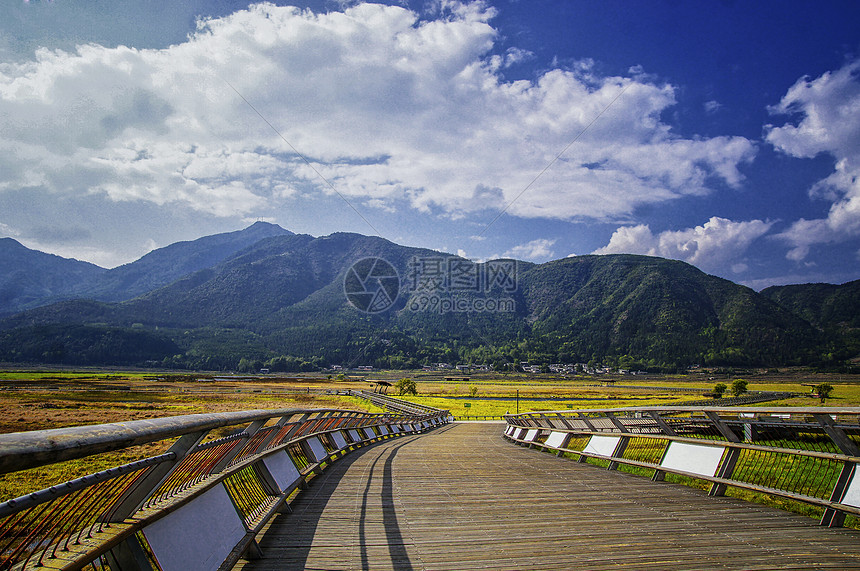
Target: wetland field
(37,399)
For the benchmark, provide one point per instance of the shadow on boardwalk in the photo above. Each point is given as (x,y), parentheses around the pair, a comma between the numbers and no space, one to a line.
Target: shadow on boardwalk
(461,497)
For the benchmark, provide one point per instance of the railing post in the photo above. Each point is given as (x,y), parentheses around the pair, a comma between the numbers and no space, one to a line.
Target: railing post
(622,442)
(727,467)
(618,452)
(274,433)
(587,422)
(129,556)
(832,517)
(731,457)
(618,424)
(724,429)
(565,441)
(138,495)
(297,424)
(251,430)
(564,421)
(667,430)
(845,444)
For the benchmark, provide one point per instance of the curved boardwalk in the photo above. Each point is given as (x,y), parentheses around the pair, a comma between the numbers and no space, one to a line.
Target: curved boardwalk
(461,497)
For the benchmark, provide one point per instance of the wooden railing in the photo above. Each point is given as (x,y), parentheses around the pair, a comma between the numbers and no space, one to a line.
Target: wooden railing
(807,455)
(197,505)
(397,405)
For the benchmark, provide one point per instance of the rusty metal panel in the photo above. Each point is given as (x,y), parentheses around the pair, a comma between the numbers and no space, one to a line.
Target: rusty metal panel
(695,458)
(198,536)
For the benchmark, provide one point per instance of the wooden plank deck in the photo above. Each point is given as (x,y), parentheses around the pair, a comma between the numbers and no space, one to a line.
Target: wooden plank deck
(461,497)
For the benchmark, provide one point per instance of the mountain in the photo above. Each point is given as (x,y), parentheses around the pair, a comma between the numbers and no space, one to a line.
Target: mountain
(31,279)
(656,309)
(27,276)
(166,265)
(833,309)
(290,299)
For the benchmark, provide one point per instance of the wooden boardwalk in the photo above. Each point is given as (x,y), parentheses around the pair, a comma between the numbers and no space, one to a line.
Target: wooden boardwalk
(461,497)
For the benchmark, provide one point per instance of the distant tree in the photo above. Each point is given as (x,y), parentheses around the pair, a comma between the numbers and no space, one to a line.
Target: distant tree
(473,390)
(823,391)
(719,389)
(245,365)
(739,387)
(406,386)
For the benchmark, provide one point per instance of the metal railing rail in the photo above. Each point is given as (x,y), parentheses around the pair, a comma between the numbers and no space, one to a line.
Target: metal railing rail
(808,455)
(198,505)
(397,405)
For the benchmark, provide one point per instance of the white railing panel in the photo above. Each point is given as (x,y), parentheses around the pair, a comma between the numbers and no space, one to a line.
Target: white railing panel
(602,445)
(198,536)
(282,469)
(317,449)
(694,458)
(339,440)
(852,493)
(555,439)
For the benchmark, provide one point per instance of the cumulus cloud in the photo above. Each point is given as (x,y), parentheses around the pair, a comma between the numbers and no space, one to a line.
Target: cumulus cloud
(540,249)
(386,104)
(828,121)
(716,245)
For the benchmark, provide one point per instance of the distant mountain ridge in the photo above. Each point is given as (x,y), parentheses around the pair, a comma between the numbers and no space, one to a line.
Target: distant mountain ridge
(264,294)
(29,278)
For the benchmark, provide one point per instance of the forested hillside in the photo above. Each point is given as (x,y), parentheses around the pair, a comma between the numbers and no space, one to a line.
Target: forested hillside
(281,299)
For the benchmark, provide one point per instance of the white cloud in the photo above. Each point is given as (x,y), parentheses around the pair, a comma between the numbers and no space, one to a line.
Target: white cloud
(540,249)
(8,231)
(716,245)
(828,108)
(712,107)
(388,106)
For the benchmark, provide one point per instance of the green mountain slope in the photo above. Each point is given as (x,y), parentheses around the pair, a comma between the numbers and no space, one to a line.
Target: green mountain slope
(284,296)
(166,265)
(27,277)
(833,309)
(657,310)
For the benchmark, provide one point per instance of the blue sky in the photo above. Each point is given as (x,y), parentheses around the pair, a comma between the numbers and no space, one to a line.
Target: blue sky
(725,134)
